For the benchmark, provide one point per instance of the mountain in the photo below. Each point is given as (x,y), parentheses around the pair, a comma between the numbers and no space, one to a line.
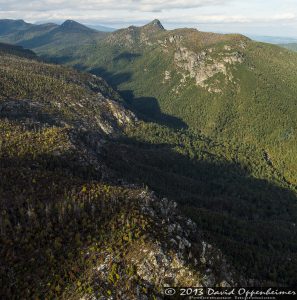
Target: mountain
(70,227)
(92,26)
(155,24)
(72,26)
(102,28)
(215,134)
(215,84)
(15,31)
(8,26)
(42,37)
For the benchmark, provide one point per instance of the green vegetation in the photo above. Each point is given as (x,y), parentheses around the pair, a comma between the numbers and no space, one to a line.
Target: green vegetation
(256,99)
(11,26)
(257,108)
(17,50)
(232,192)
(69,227)
(40,38)
(224,149)
(55,92)
(59,220)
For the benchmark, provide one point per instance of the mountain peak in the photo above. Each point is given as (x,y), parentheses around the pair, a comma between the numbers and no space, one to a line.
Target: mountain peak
(9,26)
(70,24)
(155,24)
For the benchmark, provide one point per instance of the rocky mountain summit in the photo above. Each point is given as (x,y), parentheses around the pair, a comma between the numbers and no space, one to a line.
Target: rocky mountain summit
(155,25)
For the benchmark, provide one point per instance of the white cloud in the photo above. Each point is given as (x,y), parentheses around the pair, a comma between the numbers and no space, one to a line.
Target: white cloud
(232,14)
(134,5)
(222,19)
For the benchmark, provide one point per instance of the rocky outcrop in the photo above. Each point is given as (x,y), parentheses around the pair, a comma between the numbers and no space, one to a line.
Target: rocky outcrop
(133,37)
(170,252)
(153,27)
(203,67)
(167,76)
(182,257)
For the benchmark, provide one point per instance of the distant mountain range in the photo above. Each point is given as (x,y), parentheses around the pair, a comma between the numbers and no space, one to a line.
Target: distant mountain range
(273,39)
(291,46)
(286,42)
(102,28)
(40,37)
(97,27)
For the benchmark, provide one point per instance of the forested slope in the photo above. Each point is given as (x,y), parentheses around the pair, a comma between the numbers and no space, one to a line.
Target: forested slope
(70,226)
(217,135)
(224,86)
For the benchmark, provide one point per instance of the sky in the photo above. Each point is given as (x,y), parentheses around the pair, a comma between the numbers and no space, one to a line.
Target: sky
(256,17)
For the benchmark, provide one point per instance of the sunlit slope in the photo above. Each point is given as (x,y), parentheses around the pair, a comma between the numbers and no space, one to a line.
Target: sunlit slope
(222,85)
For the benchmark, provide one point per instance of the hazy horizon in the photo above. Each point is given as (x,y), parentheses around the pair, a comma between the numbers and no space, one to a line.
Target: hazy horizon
(99,24)
(278,18)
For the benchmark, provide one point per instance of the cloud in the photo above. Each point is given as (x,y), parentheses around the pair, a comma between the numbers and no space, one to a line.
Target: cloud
(219,14)
(132,5)
(223,19)
(106,11)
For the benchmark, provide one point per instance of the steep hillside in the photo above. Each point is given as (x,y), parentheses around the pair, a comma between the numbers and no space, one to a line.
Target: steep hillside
(224,86)
(17,50)
(217,136)
(70,228)
(235,167)
(234,195)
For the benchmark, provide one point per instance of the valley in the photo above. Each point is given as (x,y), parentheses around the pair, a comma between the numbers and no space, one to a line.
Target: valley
(91,151)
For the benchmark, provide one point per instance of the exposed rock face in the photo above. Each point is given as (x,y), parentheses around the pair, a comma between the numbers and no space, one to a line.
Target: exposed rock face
(113,116)
(202,67)
(175,39)
(121,115)
(167,76)
(155,25)
(109,120)
(182,257)
(84,140)
(173,253)
(133,36)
